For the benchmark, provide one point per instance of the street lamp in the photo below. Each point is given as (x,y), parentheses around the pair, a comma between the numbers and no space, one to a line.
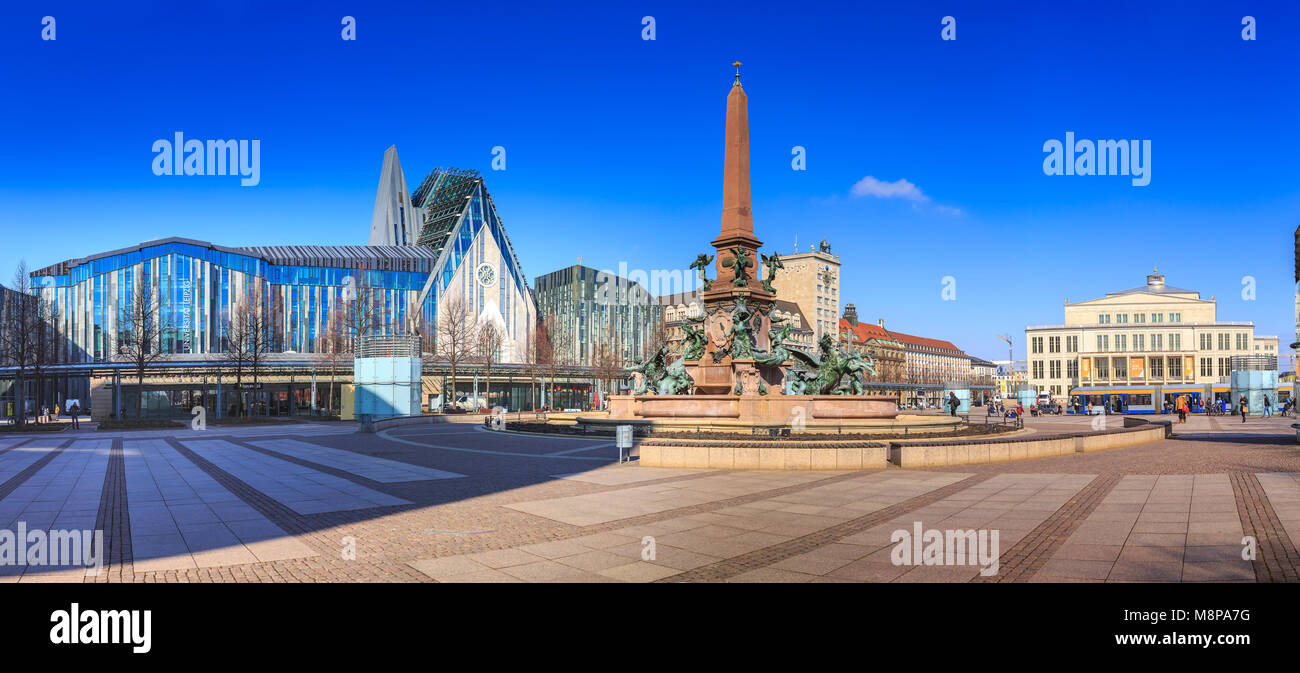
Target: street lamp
(1011,364)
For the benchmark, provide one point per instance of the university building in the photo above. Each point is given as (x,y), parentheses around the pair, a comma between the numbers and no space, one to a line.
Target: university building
(436,251)
(1135,349)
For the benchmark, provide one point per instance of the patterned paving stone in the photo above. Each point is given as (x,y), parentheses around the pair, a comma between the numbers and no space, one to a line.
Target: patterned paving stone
(531,509)
(373,468)
(302,489)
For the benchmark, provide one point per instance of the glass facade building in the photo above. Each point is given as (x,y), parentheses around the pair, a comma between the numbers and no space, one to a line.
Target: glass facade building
(195,285)
(448,243)
(592,315)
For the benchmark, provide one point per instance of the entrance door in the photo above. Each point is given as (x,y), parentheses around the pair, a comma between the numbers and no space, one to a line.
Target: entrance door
(1118,402)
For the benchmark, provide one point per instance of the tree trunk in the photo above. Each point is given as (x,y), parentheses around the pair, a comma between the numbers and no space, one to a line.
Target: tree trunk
(139,401)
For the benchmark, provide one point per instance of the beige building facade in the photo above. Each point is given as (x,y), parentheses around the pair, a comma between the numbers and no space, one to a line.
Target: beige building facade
(1145,342)
(811,280)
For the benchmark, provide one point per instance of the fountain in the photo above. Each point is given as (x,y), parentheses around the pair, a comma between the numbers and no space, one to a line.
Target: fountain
(737,372)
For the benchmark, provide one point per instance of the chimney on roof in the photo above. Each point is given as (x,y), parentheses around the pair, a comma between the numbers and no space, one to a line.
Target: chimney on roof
(880,322)
(851,314)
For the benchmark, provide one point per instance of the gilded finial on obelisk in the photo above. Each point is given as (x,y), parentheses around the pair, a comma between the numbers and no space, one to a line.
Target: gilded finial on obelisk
(737,64)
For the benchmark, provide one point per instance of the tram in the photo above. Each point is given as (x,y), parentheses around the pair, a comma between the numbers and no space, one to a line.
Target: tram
(1139,399)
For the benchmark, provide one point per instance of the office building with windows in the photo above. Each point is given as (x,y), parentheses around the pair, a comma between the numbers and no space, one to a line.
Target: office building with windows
(811,280)
(1134,350)
(597,318)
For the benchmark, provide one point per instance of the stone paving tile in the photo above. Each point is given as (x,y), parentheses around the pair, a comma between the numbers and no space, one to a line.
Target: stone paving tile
(639,571)
(371,467)
(1277,557)
(801,554)
(302,489)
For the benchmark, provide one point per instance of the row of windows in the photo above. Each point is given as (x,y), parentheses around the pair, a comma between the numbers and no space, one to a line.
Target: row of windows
(1123,318)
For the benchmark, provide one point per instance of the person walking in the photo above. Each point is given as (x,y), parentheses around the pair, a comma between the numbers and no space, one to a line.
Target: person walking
(953,403)
(1242,406)
(73,411)
(1268,407)
(1181,404)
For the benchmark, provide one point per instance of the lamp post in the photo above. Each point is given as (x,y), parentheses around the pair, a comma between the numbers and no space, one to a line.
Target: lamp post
(1011,365)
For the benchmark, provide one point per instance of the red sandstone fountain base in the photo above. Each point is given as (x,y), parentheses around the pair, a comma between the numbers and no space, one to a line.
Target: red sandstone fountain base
(762,410)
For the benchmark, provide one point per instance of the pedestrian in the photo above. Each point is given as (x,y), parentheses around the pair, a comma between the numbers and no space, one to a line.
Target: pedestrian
(953,403)
(1243,407)
(74,410)
(1268,407)
(1182,409)
(1020,410)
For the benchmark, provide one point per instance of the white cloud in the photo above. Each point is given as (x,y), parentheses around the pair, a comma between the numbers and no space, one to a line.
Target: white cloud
(898,189)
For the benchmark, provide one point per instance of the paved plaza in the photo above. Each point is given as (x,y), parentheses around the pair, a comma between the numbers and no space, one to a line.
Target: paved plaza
(308,502)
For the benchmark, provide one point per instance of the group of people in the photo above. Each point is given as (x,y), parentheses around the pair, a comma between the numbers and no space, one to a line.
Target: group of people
(997,409)
(49,414)
(1182,405)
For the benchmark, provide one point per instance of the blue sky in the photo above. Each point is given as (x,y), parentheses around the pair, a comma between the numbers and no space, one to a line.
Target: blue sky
(614,143)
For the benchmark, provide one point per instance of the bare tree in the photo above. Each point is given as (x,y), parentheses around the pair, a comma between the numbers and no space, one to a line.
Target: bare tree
(46,352)
(140,331)
(532,357)
(21,318)
(457,341)
(249,329)
(490,340)
(335,343)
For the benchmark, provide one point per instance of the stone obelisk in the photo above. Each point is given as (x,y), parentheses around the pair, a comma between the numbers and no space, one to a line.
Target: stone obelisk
(737,218)
(728,367)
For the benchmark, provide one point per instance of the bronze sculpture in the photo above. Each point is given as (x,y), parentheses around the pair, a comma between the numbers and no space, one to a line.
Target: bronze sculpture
(701,266)
(771,263)
(740,264)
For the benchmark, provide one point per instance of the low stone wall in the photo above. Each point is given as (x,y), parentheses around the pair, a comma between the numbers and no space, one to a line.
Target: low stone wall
(766,456)
(794,455)
(935,454)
